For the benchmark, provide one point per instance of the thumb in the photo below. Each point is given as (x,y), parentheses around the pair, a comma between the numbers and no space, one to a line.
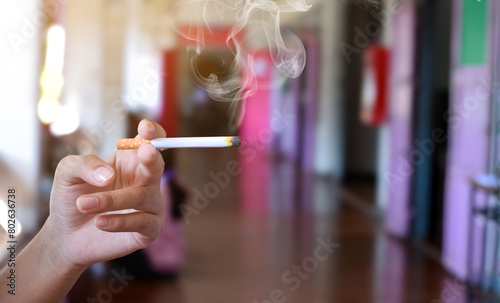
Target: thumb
(89,168)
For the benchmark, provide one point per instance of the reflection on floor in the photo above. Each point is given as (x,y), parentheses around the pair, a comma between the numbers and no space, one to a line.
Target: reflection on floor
(316,242)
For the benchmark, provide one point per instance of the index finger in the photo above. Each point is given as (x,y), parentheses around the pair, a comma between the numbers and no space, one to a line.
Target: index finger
(148,129)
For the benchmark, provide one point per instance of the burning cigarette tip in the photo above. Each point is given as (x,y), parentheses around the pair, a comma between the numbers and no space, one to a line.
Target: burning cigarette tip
(235,141)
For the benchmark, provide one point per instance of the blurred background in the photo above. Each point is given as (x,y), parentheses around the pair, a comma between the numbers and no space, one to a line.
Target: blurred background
(369,165)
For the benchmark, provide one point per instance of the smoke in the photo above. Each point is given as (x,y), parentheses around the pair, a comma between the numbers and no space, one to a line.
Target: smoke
(237,80)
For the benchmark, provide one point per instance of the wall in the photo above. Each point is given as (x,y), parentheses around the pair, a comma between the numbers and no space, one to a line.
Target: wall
(469,124)
(20,128)
(329,157)
(399,176)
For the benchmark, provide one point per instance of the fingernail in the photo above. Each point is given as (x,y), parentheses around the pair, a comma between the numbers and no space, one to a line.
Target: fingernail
(102,221)
(150,126)
(102,174)
(88,203)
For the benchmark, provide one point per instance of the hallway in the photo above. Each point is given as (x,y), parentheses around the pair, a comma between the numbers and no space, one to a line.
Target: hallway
(362,123)
(237,256)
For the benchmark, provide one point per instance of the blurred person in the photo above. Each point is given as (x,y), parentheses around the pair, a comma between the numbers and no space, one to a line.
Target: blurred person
(100,209)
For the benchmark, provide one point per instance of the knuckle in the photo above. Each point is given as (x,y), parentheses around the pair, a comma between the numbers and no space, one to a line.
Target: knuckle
(87,159)
(142,199)
(119,222)
(65,168)
(154,198)
(107,201)
(144,223)
(146,199)
(68,162)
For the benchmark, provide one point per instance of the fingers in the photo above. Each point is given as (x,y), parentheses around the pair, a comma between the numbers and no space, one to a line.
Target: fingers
(148,129)
(89,168)
(144,199)
(152,164)
(148,225)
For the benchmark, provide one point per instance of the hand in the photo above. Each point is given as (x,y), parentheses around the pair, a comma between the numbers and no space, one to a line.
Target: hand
(105,209)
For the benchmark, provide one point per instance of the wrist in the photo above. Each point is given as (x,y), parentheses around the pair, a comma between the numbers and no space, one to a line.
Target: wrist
(45,257)
(55,246)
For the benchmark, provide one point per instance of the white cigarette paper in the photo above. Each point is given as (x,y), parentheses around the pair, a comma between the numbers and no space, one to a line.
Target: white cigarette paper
(181,142)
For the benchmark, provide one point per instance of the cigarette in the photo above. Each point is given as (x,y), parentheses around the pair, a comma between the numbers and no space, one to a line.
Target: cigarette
(186,142)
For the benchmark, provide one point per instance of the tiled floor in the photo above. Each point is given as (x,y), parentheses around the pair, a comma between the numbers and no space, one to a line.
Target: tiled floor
(238,254)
